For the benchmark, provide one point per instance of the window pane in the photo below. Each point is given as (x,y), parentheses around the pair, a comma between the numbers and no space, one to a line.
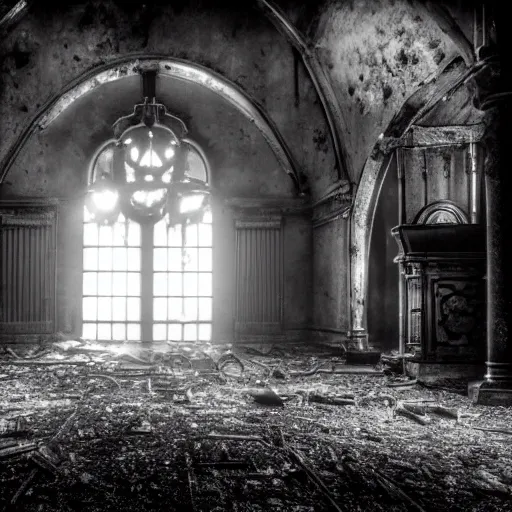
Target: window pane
(89,308)
(190,285)
(89,331)
(205,235)
(160,284)
(133,332)
(159,259)
(133,259)
(119,332)
(205,259)
(190,332)
(191,235)
(119,309)
(133,309)
(90,234)
(104,308)
(133,234)
(205,309)
(119,232)
(120,258)
(104,332)
(205,285)
(205,332)
(105,258)
(160,234)
(175,239)
(159,332)
(133,284)
(105,283)
(174,309)
(174,332)
(119,283)
(89,283)
(90,259)
(105,236)
(190,260)
(175,284)
(160,309)
(190,309)
(174,259)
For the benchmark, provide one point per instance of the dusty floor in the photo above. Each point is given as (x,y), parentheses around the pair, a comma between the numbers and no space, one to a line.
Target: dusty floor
(106,431)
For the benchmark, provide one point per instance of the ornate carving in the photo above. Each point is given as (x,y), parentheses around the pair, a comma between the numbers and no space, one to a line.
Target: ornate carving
(441,212)
(460,311)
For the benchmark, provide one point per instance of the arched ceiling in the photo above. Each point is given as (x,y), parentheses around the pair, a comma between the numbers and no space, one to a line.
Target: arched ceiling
(365,58)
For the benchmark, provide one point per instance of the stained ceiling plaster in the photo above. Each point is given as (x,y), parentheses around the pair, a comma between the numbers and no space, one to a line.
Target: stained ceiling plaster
(324,26)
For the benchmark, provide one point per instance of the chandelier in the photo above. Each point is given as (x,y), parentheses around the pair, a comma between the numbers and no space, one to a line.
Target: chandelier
(149,175)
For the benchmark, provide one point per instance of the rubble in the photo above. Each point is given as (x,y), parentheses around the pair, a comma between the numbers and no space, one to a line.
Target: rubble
(185,432)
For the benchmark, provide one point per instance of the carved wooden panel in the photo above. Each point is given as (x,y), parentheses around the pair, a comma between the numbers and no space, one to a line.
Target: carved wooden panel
(457,319)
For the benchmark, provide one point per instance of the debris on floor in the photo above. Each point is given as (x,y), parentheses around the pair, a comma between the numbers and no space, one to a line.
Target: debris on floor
(87,427)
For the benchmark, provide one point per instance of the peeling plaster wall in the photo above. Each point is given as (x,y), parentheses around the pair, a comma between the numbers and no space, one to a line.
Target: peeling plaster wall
(330,294)
(376,54)
(50,48)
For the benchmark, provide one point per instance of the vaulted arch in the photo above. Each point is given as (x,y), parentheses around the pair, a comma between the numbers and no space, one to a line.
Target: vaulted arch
(168,67)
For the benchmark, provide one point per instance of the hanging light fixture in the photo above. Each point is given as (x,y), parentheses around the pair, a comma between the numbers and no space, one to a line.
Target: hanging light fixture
(102,201)
(150,178)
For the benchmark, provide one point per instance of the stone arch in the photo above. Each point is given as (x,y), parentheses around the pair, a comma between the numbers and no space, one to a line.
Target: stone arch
(366,195)
(180,69)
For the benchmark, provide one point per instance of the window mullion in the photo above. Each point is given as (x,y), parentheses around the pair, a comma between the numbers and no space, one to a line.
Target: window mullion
(147,281)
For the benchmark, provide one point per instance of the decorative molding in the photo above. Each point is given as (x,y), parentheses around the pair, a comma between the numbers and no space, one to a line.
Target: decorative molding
(425,215)
(340,187)
(271,222)
(24,202)
(131,65)
(269,206)
(38,212)
(434,136)
(335,207)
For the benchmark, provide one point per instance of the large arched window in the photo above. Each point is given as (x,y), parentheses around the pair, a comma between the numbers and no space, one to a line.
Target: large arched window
(148,281)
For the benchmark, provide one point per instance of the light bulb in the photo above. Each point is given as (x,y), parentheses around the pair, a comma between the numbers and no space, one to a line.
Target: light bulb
(191,203)
(105,200)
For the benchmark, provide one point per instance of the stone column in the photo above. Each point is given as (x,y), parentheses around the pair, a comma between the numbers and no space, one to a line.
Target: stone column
(494,97)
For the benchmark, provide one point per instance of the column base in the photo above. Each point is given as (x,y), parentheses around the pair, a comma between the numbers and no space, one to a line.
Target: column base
(357,340)
(485,392)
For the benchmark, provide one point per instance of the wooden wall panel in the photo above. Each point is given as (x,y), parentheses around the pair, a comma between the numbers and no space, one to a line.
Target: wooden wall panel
(27,271)
(259,277)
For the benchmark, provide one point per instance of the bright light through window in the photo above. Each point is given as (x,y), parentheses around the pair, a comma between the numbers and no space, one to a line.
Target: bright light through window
(111,281)
(182,282)
(150,159)
(191,203)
